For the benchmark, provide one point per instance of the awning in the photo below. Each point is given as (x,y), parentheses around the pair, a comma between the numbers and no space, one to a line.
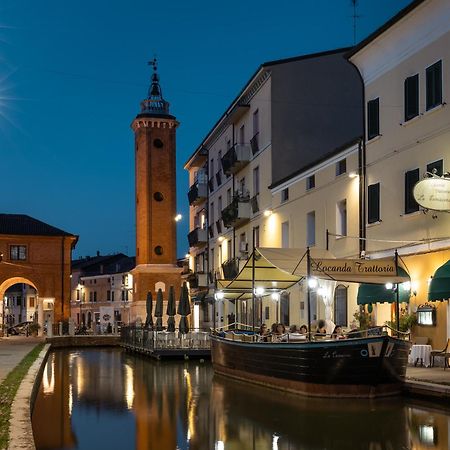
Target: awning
(440,284)
(267,275)
(277,269)
(377,293)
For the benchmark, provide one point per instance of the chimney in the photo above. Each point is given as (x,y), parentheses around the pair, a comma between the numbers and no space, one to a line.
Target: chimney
(98,252)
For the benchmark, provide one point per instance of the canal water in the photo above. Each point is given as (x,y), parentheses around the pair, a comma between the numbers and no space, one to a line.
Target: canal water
(97,399)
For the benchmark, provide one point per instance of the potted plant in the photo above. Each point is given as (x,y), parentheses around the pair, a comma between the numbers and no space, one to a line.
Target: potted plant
(34,328)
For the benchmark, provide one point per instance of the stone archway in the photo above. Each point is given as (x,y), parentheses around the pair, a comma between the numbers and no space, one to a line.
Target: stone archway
(9,282)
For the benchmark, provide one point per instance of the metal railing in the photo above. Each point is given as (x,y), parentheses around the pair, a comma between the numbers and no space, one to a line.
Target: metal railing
(242,332)
(144,339)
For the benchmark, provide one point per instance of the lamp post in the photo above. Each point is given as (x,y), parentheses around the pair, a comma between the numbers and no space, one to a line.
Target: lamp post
(276,298)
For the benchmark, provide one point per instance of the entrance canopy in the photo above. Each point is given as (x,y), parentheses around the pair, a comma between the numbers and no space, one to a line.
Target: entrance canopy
(275,269)
(440,284)
(378,293)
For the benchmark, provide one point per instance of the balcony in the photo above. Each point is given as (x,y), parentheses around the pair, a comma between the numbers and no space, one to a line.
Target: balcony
(254,143)
(197,237)
(236,158)
(198,193)
(230,269)
(198,280)
(237,212)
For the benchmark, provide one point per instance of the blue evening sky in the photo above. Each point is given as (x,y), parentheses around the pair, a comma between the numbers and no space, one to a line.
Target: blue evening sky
(73,73)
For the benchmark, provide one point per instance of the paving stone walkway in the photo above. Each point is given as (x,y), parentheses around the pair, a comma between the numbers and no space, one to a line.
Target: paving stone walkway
(12,351)
(429,374)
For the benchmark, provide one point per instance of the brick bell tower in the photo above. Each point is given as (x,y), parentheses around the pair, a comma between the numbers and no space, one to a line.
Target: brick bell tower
(155,132)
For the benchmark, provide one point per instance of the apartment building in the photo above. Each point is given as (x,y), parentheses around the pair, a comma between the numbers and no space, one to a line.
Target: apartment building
(20,304)
(405,69)
(102,291)
(289,118)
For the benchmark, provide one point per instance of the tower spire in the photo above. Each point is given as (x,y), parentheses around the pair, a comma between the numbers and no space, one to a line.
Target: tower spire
(154,104)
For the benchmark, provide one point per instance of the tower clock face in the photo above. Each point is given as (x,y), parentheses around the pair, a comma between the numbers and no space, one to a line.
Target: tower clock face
(158,143)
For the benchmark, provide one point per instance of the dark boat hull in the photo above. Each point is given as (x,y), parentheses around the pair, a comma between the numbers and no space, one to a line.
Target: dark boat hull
(366,367)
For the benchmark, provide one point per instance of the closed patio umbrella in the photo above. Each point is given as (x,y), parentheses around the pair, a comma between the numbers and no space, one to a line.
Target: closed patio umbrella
(159,310)
(171,310)
(184,309)
(149,307)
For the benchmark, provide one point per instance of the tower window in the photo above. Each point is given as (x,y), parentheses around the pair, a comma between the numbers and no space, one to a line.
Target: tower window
(158,143)
(159,250)
(158,196)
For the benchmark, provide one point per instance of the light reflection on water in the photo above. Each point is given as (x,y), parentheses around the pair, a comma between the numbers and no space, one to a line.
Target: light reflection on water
(108,399)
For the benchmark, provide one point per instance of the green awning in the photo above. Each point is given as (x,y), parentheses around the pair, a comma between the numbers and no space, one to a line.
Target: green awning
(440,284)
(377,293)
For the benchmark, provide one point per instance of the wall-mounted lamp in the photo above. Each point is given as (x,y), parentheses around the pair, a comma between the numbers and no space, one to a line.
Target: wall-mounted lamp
(352,175)
(389,286)
(267,212)
(187,255)
(219,295)
(312,283)
(178,217)
(220,238)
(259,291)
(275,296)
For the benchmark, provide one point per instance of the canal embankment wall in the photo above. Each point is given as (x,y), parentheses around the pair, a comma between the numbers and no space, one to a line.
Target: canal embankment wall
(20,428)
(84,341)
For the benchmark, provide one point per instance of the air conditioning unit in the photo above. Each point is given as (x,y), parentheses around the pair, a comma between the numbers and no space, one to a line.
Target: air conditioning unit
(243,247)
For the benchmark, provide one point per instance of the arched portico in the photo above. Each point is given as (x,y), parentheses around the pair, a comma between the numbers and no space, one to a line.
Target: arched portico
(41,304)
(37,254)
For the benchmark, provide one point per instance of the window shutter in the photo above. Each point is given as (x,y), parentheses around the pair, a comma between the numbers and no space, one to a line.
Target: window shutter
(411,178)
(373,118)
(373,203)
(411,97)
(434,85)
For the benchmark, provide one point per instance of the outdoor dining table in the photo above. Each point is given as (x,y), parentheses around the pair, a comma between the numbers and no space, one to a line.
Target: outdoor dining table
(420,353)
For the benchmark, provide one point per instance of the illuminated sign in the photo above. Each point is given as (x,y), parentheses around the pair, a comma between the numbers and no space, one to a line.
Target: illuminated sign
(360,267)
(433,193)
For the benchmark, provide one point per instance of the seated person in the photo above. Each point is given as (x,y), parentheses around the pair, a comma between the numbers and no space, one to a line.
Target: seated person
(338,333)
(280,333)
(303,329)
(321,330)
(263,333)
(295,335)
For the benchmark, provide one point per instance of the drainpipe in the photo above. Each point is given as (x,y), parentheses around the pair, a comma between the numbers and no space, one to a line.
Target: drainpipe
(62,279)
(362,167)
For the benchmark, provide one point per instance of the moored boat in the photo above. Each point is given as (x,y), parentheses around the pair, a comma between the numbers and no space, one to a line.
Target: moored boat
(372,366)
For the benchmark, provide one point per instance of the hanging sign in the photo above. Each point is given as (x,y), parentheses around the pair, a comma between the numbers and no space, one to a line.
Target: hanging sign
(360,267)
(433,193)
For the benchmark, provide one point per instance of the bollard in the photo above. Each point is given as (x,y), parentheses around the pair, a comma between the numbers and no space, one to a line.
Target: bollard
(60,328)
(49,328)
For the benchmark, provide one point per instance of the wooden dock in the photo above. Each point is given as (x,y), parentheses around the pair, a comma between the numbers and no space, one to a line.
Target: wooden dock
(163,344)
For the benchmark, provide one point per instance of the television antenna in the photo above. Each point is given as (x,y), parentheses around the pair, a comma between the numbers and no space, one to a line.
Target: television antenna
(355,17)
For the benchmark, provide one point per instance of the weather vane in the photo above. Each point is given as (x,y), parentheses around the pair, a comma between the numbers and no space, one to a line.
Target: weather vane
(153,63)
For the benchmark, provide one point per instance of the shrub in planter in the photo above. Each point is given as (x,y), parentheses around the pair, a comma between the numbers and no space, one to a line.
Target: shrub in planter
(33,328)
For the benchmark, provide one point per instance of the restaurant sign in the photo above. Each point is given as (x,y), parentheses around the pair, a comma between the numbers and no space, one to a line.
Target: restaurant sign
(433,193)
(359,267)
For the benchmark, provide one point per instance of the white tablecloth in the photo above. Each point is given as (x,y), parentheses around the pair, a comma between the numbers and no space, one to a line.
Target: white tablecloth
(420,354)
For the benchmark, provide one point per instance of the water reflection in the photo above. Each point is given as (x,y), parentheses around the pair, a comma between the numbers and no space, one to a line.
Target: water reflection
(110,399)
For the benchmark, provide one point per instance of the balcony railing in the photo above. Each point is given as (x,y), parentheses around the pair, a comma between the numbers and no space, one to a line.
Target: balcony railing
(218,179)
(197,193)
(230,269)
(198,280)
(237,212)
(211,184)
(219,226)
(197,237)
(254,142)
(236,158)
(254,204)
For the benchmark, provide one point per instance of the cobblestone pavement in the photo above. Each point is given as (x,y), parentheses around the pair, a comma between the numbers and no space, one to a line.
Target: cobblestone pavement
(12,351)
(429,374)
